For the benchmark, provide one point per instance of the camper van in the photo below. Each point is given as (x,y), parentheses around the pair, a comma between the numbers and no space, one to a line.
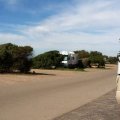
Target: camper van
(70,59)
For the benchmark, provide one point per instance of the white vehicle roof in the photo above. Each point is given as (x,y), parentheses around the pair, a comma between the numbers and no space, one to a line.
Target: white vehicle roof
(66,53)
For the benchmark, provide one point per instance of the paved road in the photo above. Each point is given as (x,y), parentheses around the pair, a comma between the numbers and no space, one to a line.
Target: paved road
(45,97)
(103,108)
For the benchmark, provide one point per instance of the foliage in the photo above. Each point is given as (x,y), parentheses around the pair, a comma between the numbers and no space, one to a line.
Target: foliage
(82,54)
(6,61)
(13,57)
(86,62)
(97,58)
(112,60)
(47,60)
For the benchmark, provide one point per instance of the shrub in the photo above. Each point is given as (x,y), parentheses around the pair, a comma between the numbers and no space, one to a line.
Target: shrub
(13,57)
(47,60)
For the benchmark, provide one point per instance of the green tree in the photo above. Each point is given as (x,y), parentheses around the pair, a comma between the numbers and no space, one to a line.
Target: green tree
(6,61)
(22,58)
(97,58)
(47,60)
(13,57)
(112,60)
(82,54)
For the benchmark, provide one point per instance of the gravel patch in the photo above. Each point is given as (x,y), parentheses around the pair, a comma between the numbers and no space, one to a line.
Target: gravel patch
(103,108)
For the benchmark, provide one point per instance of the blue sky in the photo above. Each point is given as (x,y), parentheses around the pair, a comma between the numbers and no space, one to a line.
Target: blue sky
(61,24)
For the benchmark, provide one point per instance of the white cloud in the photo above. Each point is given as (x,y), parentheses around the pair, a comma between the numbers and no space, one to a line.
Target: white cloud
(98,16)
(7,37)
(92,26)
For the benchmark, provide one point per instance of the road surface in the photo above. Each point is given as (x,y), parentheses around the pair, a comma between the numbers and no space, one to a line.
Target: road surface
(46,96)
(103,108)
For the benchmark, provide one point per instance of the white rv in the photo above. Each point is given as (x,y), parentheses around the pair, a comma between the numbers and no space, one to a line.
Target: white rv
(118,81)
(70,59)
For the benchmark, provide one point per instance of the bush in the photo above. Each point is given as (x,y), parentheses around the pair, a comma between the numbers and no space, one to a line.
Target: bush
(112,60)
(97,59)
(13,57)
(47,60)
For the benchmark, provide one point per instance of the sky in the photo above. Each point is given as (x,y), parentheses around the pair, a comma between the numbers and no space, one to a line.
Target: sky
(64,25)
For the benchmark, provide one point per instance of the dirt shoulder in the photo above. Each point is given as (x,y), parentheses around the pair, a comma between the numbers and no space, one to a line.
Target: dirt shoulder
(42,74)
(104,108)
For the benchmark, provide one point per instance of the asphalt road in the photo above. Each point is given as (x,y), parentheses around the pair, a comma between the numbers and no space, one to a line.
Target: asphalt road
(46,96)
(103,108)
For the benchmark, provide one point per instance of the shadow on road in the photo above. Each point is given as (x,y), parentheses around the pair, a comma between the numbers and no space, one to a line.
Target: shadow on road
(30,73)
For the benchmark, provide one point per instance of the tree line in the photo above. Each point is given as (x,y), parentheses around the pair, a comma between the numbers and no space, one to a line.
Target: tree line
(20,58)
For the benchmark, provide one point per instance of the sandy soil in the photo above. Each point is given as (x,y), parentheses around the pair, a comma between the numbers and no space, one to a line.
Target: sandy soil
(10,79)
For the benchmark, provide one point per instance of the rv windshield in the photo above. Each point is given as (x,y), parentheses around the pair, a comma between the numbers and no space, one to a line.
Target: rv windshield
(65,58)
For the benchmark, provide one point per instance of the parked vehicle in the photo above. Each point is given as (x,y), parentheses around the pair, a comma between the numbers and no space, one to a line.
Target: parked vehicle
(70,59)
(118,81)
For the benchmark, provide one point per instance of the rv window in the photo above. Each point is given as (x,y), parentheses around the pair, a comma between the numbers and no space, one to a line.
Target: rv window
(65,58)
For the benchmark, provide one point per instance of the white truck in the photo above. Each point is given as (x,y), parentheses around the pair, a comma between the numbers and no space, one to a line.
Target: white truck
(70,60)
(118,81)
